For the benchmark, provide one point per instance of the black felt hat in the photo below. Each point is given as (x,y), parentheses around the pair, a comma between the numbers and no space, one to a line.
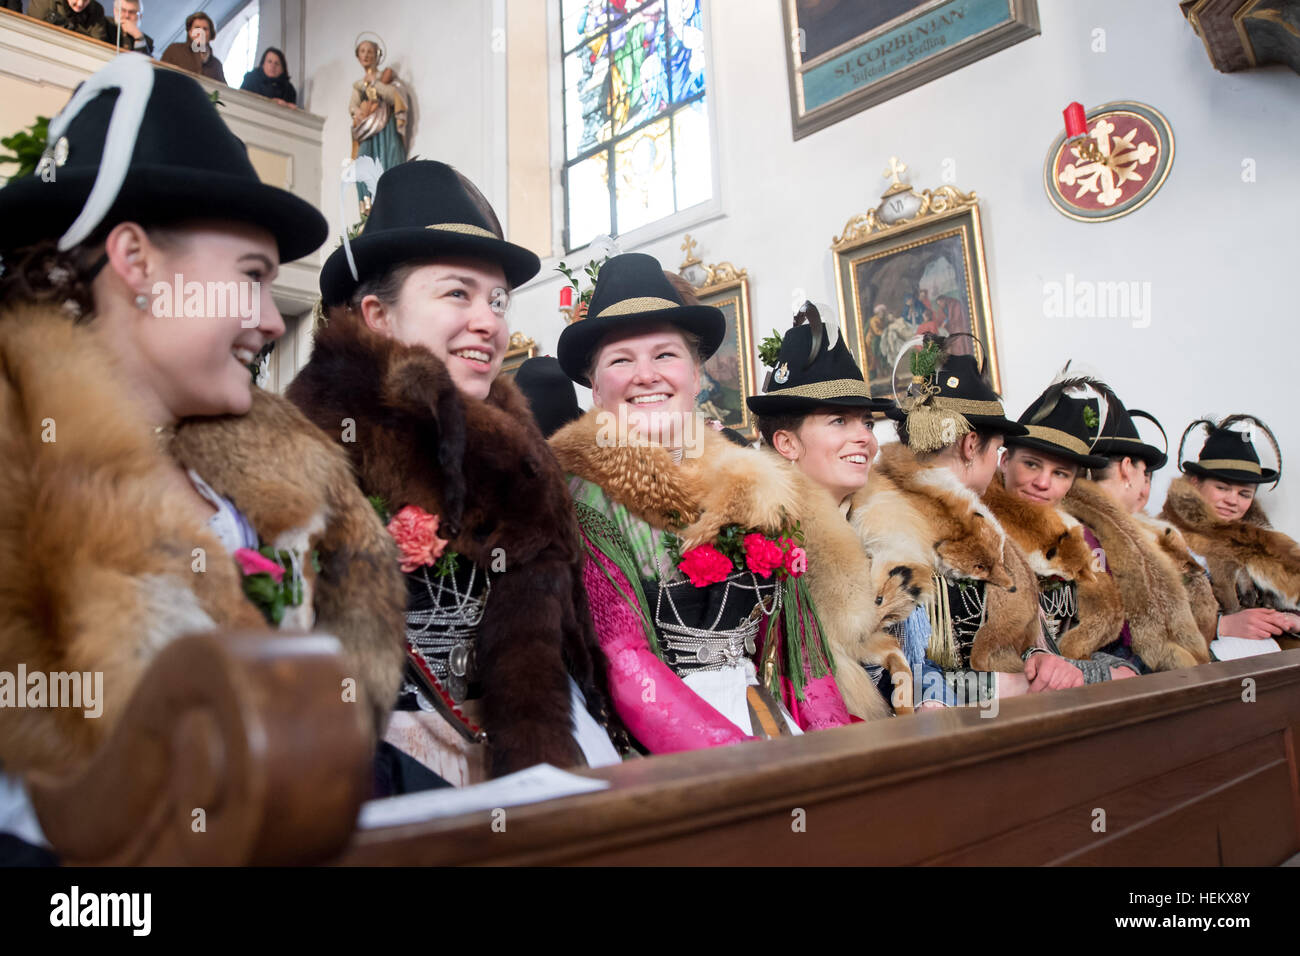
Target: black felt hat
(143,143)
(949,387)
(1229,454)
(632,292)
(549,392)
(1120,437)
(815,369)
(422,210)
(1063,425)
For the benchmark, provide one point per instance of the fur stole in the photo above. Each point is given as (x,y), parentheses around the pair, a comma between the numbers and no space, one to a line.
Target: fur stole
(485,469)
(1165,633)
(897,541)
(965,540)
(1053,544)
(1250,564)
(840,581)
(755,488)
(1196,581)
(723,484)
(101,549)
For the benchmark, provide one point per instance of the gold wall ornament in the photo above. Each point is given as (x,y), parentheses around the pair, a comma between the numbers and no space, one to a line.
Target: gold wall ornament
(913,264)
(688,246)
(901,204)
(520,349)
(720,272)
(727,377)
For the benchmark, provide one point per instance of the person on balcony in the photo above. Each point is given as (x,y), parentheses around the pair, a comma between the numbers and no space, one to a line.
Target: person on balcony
(270,78)
(194,53)
(80,16)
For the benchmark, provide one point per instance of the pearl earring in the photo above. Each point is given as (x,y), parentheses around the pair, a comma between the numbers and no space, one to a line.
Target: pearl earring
(142,302)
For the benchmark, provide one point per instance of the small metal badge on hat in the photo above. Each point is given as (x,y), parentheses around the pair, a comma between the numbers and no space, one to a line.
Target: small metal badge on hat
(782,374)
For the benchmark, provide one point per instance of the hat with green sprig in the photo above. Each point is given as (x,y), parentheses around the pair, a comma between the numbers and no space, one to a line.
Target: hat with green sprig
(1065,421)
(948,395)
(810,368)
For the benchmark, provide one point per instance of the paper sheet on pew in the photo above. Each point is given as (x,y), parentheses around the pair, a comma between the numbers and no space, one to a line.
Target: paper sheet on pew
(543,782)
(1232,648)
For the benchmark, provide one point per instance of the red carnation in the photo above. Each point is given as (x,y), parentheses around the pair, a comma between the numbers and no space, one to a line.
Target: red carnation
(704,565)
(416,534)
(252,562)
(762,555)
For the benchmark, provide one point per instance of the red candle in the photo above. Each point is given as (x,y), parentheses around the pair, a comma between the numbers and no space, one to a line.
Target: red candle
(566,296)
(1076,124)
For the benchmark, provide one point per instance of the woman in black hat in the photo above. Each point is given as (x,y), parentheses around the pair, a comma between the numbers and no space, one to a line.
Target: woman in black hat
(978,594)
(1086,602)
(1255,570)
(693,568)
(404,374)
(817,413)
(148,485)
(1168,608)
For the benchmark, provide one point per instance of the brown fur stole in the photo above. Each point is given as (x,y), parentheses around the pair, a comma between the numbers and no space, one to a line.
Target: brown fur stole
(1196,582)
(1250,564)
(296,488)
(1052,542)
(726,484)
(101,550)
(485,469)
(1165,633)
(964,539)
(840,581)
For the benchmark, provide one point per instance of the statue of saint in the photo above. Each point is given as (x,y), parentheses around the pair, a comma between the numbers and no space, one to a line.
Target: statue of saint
(378,109)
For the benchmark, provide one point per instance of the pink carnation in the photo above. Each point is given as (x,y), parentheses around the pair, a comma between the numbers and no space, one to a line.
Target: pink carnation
(796,562)
(762,555)
(254,562)
(705,565)
(416,534)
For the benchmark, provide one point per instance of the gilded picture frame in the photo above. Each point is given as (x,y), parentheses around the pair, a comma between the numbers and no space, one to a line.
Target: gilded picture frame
(727,377)
(844,56)
(913,264)
(521,349)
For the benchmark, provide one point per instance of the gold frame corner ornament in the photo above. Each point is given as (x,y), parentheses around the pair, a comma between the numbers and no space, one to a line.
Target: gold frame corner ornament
(519,350)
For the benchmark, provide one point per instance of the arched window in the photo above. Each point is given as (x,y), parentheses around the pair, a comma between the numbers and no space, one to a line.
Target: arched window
(241,54)
(636,126)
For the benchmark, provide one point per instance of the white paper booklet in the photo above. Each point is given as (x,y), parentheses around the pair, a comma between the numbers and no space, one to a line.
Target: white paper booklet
(1231,648)
(542,782)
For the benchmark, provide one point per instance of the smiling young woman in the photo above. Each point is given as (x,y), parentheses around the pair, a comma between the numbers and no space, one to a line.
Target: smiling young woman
(161,469)
(1255,570)
(817,414)
(405,375)
(692,568)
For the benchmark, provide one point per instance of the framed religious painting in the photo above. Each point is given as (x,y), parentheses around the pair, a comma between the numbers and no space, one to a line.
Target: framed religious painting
(519,350)
(727,378)
(912,265)
(844,56)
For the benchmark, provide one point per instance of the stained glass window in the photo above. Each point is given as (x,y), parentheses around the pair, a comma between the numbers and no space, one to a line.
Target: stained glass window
(636,127)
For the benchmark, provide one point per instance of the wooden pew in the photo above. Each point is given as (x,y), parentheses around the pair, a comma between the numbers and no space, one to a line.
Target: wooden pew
(1185,768)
